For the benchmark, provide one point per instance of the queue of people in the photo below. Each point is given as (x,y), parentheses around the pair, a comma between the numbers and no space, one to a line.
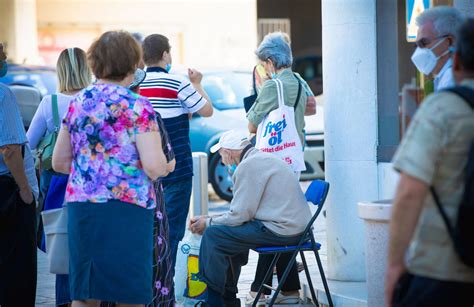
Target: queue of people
(124,151)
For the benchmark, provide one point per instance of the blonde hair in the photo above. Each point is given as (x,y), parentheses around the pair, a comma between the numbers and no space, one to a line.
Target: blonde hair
(72,69)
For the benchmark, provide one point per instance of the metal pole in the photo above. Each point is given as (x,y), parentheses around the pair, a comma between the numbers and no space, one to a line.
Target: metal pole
(199,196)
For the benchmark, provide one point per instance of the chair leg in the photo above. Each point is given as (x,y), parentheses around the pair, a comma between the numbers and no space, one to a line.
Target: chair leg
(308,277)
(267,275)
(323,277)
(283,278)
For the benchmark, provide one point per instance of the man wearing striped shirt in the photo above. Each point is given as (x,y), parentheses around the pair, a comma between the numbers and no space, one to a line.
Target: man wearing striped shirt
(175,98)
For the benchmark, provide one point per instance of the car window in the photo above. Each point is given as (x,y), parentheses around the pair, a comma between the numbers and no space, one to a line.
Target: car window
(227,90)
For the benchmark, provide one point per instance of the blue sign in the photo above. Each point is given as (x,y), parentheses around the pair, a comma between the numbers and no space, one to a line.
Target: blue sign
(415,8)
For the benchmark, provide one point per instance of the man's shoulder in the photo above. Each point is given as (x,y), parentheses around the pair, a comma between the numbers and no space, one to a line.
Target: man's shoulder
(444,103)
(258,161)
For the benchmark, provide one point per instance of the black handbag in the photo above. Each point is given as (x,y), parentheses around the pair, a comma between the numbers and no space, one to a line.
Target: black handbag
(250,100)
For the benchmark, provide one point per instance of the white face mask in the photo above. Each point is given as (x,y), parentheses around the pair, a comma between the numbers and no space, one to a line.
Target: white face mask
(425,60)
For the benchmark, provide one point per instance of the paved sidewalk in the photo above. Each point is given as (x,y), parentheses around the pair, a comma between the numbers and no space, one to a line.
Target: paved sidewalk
(46,292)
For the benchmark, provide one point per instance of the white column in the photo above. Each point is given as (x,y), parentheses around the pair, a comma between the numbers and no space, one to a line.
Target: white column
(350,97)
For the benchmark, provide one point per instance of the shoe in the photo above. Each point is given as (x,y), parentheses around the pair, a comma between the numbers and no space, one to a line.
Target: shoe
(285,299)
(249,299)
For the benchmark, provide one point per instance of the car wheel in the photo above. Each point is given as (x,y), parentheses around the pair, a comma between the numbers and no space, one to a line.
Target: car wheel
(220,179)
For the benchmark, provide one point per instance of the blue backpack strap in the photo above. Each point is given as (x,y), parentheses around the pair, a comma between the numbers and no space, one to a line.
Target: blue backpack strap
(464,92)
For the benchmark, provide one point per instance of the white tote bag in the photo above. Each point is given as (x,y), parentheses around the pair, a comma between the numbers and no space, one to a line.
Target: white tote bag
(277,134)
(189,290)
(57,246)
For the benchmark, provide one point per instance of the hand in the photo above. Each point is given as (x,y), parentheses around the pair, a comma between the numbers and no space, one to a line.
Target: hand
(394,272)
(26,196)
(197,224)
(194,76)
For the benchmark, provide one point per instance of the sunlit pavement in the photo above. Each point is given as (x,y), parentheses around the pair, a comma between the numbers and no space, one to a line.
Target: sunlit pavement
(45,291)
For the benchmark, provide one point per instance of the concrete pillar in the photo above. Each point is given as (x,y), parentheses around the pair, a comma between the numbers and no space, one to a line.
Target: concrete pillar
(18,30)
(350,95)
(465,6)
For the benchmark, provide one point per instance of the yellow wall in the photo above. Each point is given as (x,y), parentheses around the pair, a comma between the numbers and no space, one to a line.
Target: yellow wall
(203,33)
(18,30)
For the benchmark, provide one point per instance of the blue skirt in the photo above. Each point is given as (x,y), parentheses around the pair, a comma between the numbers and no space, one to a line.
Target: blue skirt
(111,250)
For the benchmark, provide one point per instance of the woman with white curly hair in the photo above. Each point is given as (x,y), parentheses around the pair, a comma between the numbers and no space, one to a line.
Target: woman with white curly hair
(274,54)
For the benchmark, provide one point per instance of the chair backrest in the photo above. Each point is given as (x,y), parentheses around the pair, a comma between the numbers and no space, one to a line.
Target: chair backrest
(317,192)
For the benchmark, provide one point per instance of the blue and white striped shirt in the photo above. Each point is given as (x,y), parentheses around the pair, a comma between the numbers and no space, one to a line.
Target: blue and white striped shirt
(174,98)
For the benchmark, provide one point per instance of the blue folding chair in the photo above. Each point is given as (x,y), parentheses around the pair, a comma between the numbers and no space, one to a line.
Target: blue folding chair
(316,194)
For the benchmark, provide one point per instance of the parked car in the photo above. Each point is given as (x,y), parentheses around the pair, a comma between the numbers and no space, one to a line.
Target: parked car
(42,78)
(30,84)
(227,90)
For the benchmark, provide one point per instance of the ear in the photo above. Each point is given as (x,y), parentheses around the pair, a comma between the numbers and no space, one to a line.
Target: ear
(457,66)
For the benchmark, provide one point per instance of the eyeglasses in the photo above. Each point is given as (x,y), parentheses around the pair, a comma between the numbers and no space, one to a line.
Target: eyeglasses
(425,42)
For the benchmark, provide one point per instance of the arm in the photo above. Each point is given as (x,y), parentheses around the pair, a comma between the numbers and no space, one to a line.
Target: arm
(62,154)
(407,206)
(170,166)
(14,162)
(195,77)
(252,128)
(207,110)
(166,145)
(151,154)
(310,108)
(38,127)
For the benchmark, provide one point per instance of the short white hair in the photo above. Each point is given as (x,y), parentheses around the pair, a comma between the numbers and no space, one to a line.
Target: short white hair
(446,20)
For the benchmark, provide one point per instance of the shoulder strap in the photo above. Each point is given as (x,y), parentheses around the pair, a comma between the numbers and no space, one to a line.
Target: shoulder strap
(281,98)
(443,214)
(54,103)
(299,91)
(254,82)
(465,93)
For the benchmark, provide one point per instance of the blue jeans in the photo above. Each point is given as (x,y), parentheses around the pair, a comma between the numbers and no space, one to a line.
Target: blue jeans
(224,250)
(177,199)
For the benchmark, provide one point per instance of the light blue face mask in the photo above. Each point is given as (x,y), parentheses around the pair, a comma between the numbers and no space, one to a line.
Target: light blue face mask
(168,67)
(274,75)
(231,169)
(4,69)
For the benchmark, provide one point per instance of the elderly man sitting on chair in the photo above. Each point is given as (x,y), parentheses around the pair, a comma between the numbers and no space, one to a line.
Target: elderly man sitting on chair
(268,209)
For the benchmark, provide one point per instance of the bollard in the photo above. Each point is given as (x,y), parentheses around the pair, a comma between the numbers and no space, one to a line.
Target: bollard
(199,196)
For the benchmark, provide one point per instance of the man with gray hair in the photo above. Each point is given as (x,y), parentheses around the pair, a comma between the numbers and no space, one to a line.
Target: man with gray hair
(424,266)
(435,40)
(268,209)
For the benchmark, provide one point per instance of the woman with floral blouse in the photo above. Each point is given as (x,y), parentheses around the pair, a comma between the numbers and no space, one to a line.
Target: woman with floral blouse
(110,145)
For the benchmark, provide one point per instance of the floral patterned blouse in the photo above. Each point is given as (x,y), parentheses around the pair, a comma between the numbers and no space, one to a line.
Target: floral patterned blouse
(103,121)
